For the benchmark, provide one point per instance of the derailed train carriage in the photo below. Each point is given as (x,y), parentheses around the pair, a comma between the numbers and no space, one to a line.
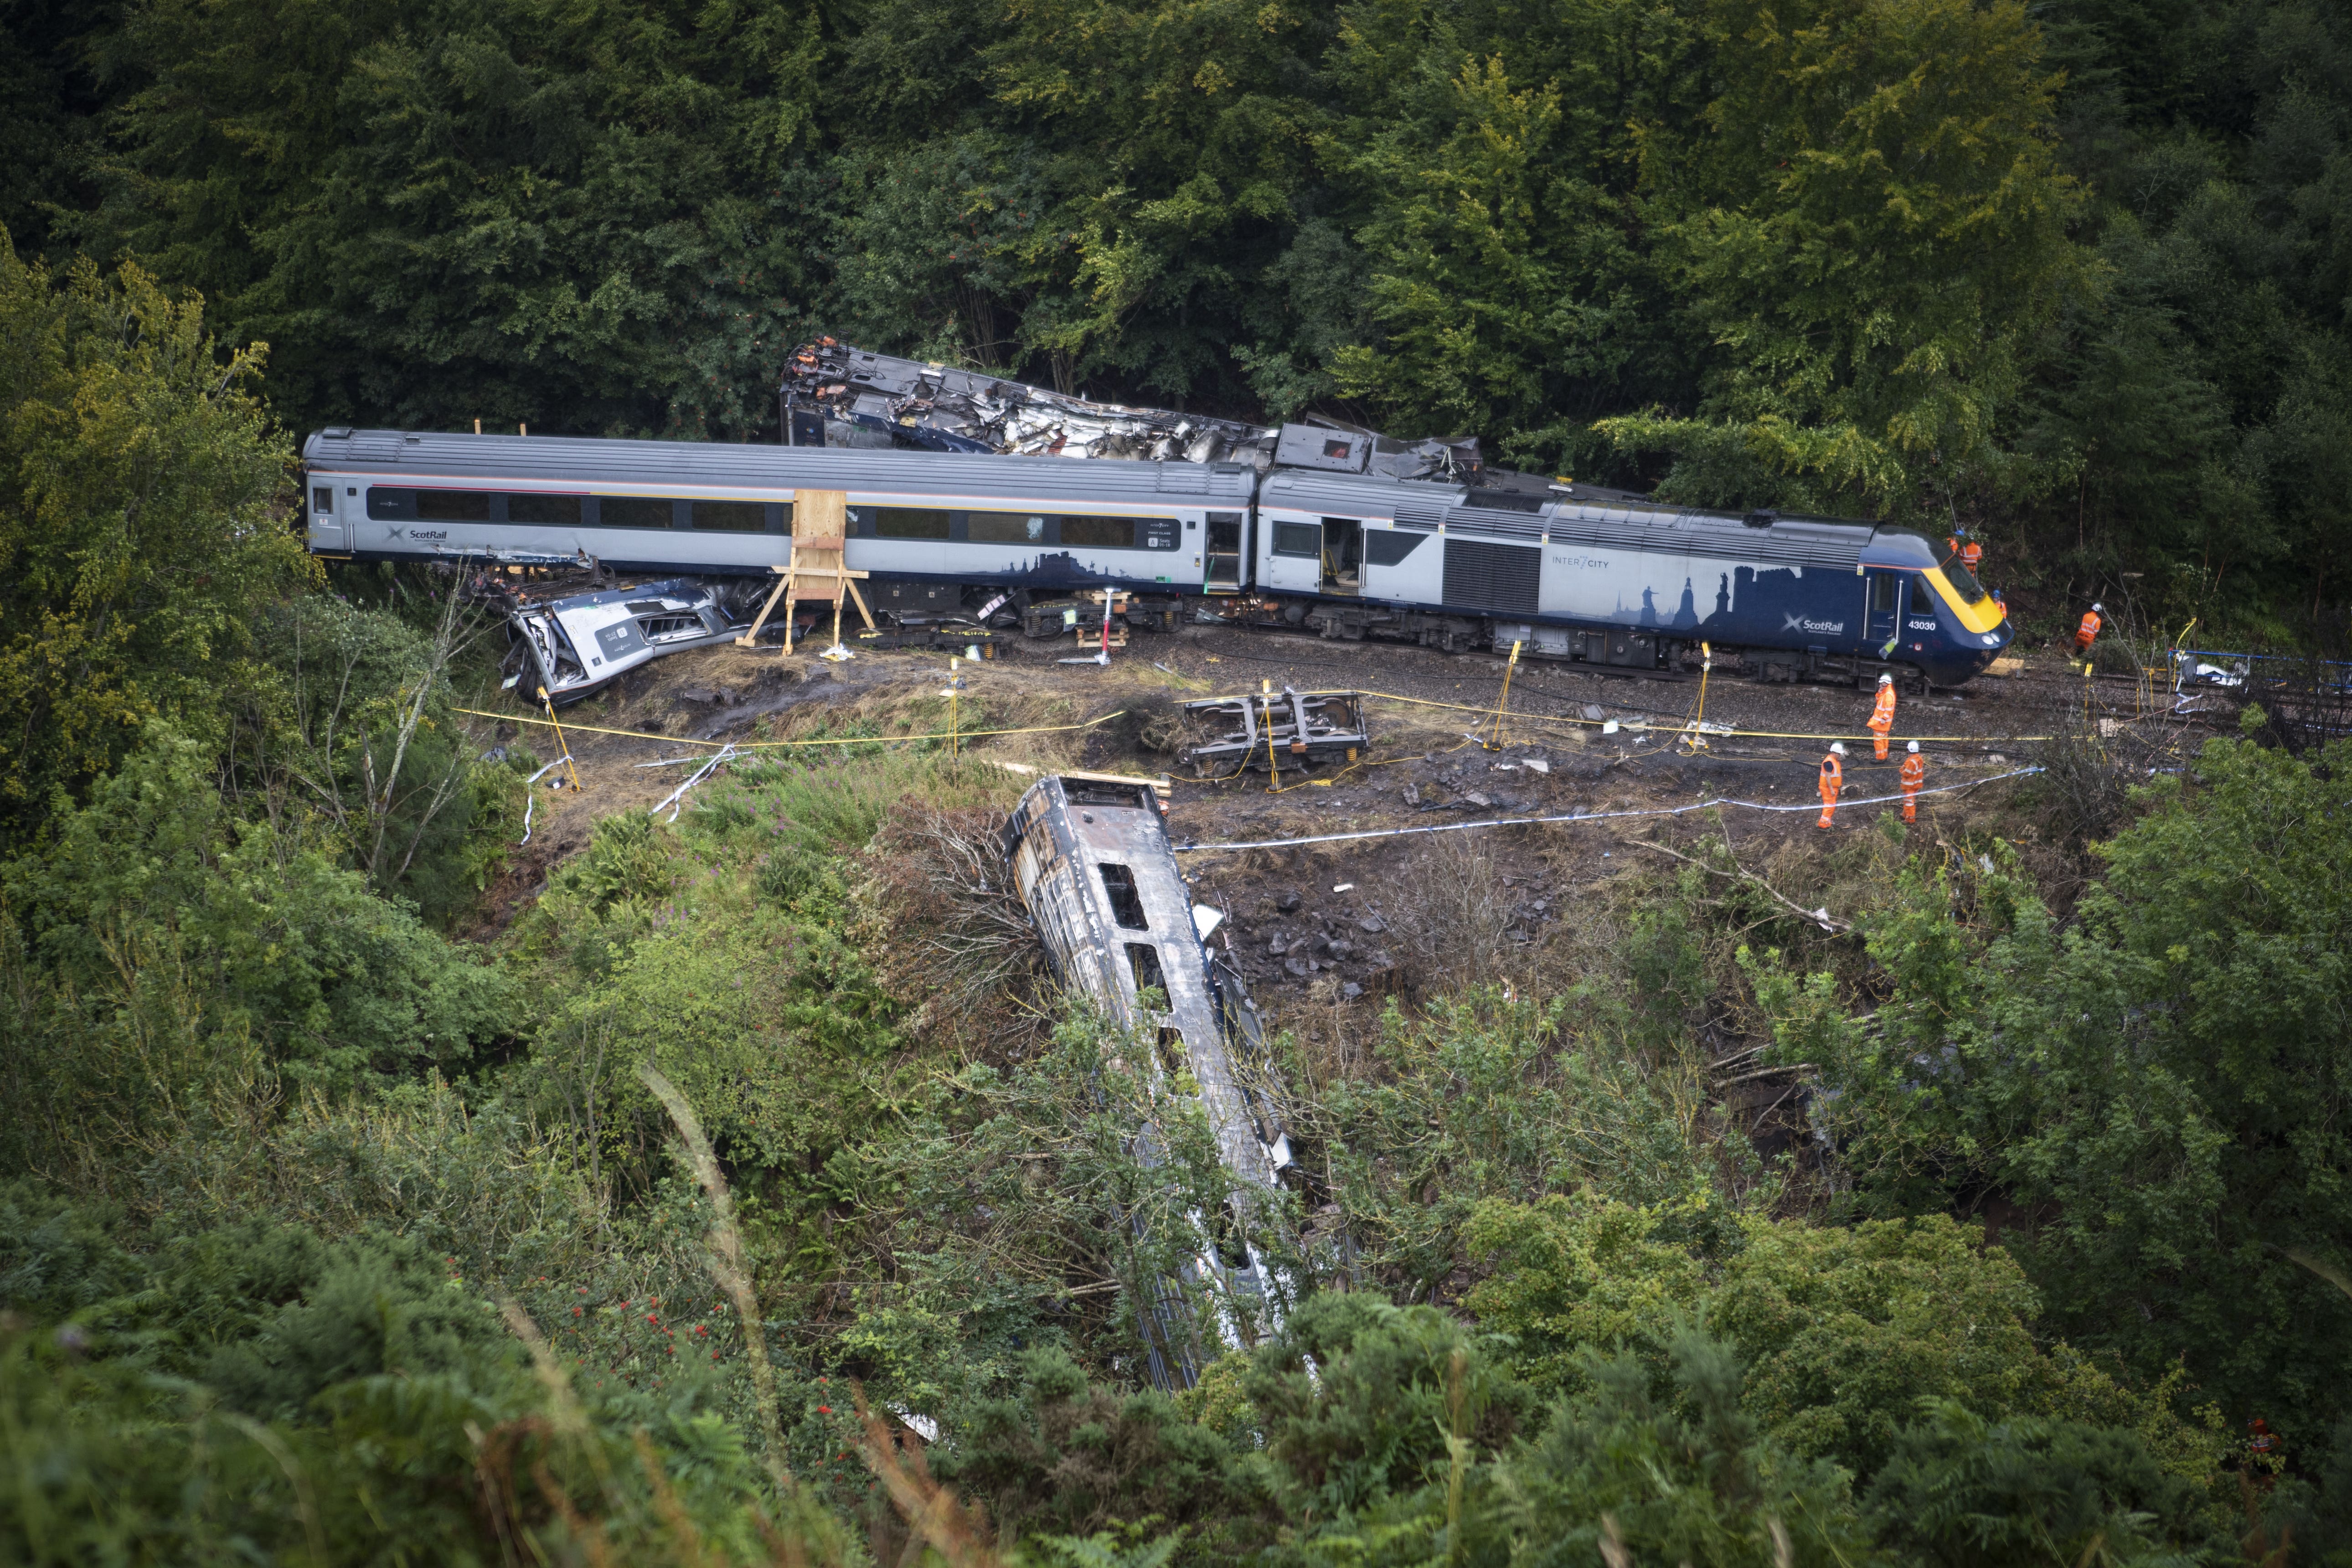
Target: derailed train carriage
(1567,571)
(1092,861)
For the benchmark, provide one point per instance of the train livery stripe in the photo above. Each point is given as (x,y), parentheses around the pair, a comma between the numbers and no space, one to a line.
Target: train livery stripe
(1981,617)
(685,491)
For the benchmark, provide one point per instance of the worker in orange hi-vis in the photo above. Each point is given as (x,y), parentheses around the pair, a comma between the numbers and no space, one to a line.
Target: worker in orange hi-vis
(2088,632)
(1882,718)
(1913,776)
(1832,781)
(1965,547)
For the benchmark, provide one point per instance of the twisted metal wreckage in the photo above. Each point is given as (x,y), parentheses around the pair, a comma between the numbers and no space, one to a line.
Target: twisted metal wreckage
(837,396)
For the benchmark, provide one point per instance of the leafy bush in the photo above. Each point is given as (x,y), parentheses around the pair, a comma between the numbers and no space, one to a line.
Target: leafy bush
(1361,1399)
(1063,1456)
(2156,1092)
(1628,1473)
(1481,1097)
(1843,1330)
(1961,1492)
(173,963)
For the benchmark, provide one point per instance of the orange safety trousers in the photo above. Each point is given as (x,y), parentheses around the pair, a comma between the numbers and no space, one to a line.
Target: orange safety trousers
(1882,720)
(1914,775)
(1832,781)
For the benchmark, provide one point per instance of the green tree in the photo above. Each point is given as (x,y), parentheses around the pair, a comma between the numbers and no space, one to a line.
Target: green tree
(1492,156)
(2159,1088)
(140,539)
(164,952)
(1868,220)
(1959,1491)
(573,217)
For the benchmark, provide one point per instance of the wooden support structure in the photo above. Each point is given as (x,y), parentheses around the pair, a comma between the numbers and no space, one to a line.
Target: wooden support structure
(817,569)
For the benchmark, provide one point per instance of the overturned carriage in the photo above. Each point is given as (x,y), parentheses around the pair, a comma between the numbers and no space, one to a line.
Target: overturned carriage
(1093,863)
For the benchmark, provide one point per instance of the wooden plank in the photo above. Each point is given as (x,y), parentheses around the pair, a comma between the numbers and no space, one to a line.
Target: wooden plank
(820,518)
(783,581)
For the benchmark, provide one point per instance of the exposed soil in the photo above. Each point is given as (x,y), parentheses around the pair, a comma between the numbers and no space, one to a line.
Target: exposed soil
(1337,922)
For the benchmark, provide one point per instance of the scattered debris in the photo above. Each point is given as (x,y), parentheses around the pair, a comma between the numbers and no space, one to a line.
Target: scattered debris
(676,799)
(1819,917)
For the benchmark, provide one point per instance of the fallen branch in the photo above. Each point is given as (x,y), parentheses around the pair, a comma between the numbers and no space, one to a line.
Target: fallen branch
(1821,917)
(1764,1072)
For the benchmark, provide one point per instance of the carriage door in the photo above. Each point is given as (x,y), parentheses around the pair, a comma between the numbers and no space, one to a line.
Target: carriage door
(1224,554)
(1883,623)
(326,524)
(1343,555)
(1294,556)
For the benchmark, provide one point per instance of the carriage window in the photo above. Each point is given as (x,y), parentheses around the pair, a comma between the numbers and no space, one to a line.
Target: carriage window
(1126,903)
(322,498)
(634,511)
(561,510)
(1004,528)
(1099,532)
(392,505)
(1143,963)
(907,521)
(1959,580)
(1882,593)
(453,506)
(730,516)
(1233,1238)
(1298,538)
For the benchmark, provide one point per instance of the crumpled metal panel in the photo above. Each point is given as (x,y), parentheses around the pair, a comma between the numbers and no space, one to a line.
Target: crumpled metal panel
(944,409)
(573,646)
(949,410)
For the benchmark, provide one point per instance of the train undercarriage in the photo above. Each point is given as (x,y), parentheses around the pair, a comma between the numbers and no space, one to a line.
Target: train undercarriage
(929,610)
(1626,650)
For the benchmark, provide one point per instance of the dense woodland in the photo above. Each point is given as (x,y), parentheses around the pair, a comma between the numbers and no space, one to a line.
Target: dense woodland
(339,1225)
(2074,274)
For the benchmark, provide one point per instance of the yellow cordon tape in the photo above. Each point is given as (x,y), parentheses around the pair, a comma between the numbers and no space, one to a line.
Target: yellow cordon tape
(1668,727)
(758,745)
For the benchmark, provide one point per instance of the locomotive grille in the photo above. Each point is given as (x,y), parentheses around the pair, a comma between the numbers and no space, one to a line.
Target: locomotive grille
(1491,576)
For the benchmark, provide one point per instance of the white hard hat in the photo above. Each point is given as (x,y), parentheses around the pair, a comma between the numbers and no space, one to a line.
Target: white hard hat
(1885,679)
(1910,745)
(2098,609)
(1839,747)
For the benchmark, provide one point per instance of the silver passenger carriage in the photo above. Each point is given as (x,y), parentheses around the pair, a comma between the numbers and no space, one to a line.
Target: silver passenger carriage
(1043,524)
(1091,858)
